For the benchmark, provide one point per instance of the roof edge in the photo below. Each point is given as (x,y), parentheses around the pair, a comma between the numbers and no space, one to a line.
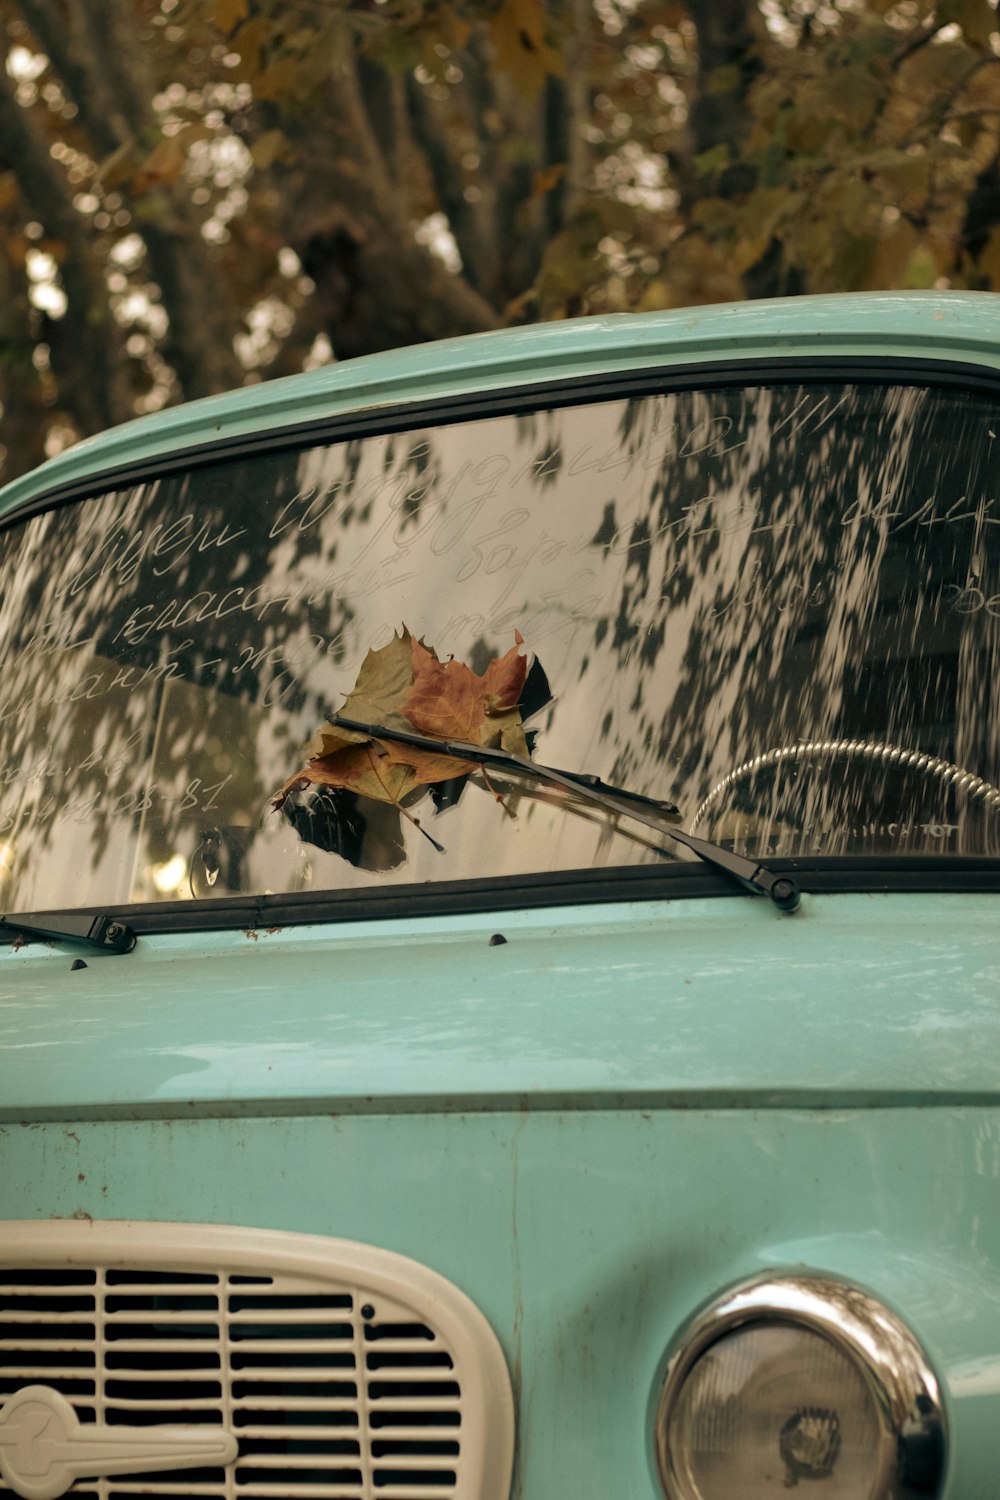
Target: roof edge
(963,325)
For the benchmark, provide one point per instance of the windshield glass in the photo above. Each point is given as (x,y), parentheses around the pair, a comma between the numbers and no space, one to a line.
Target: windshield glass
(776,606)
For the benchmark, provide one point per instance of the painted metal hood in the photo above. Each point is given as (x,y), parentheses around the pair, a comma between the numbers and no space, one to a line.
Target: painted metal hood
(859,1000)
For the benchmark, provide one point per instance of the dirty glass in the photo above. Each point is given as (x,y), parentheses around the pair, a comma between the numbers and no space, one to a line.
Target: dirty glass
(777,606)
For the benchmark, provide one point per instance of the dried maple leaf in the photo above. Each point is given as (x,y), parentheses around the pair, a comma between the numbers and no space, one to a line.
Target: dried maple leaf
(404,685)
(356,768)
(452,702)
(427,768)
(384,680)
(504,679)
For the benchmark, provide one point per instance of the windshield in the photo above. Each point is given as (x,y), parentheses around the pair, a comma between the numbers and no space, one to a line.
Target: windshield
(776,606)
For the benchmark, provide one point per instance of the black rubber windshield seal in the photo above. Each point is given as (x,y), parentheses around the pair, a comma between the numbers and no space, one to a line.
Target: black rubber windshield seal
(875,874)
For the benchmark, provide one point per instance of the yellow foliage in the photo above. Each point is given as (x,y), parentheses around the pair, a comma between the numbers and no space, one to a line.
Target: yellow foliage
(976,18)
(268,148)
(277,79)
(163,165)
(521,47)
(229,14)
(988,263)
(888,265)
(546,179)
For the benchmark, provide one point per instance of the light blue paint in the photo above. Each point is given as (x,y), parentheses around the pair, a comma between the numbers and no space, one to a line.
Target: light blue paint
(963,326)
(598,1125)
(863,999)
(588,1237)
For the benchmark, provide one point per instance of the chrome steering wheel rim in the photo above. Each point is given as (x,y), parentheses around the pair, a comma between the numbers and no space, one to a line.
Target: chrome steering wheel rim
(973,787)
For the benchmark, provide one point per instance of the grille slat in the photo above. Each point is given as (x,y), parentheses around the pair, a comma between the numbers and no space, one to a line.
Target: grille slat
(42,1346)
(328,1396)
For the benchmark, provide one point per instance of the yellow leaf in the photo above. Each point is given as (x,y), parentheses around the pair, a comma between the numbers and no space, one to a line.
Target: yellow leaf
(921,270)
(892,255)
(723,80)
(268,148)
(276,79)
(976,18)
(229,14)
(162,166)
(988,262)
(119,166)
(249,43)
(546,179)
(520,45)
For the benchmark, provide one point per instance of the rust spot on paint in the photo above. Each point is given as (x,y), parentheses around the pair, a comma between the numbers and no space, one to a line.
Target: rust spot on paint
(81,1176)
(251,932)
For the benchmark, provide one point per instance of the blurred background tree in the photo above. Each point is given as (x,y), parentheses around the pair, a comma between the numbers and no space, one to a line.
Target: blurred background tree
(199,193)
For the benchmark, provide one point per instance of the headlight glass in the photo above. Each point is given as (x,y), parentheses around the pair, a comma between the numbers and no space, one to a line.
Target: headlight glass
(797,1379)
(766,1407)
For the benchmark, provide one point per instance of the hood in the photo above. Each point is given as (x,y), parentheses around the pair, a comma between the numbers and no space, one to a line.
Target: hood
(859,1000)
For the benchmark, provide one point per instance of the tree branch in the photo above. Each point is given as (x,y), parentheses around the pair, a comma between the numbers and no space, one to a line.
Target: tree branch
(376,287)
(479,256)
(199,343)
(94,389)
(61,32)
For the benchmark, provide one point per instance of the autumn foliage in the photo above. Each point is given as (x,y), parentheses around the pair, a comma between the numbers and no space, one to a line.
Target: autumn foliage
(405,686)
(194,193)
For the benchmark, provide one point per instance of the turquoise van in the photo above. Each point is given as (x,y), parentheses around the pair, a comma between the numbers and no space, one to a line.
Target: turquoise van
(500,968)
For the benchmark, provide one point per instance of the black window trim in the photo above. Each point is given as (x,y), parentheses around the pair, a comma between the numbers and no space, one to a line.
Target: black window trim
(680,880)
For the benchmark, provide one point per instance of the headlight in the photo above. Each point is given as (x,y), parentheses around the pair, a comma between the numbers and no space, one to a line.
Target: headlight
(794,1379)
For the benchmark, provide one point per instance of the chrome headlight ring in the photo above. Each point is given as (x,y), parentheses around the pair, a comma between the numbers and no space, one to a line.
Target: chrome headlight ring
(904,1413)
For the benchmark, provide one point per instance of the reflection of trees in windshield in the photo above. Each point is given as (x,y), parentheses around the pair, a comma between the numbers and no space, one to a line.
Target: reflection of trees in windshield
(705,576)
(800,590)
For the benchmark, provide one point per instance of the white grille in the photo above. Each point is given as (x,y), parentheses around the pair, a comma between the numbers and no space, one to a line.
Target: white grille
(344,1372)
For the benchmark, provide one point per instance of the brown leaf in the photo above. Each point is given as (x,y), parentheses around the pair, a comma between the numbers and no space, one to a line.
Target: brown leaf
(229,13)
(545,179)
(163,165)
(268,148)
(361,768)
(383,682)
(427,767)
(520,45)
(447,699)
(503,679)
(402,685)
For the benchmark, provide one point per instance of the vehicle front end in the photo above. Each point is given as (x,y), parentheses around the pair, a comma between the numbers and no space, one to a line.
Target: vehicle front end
(500,849)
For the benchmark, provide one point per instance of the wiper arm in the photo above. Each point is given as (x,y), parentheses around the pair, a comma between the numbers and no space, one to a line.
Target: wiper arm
(106,933)
(750,874)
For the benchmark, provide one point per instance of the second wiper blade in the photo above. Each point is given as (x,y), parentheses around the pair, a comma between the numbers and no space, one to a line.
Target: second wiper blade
(751,875)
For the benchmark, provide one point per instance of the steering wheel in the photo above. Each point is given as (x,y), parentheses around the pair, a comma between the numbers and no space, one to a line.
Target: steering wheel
(886,756)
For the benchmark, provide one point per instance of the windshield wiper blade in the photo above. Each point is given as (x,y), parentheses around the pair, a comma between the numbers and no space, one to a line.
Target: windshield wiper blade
(749,873)
(106,933)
